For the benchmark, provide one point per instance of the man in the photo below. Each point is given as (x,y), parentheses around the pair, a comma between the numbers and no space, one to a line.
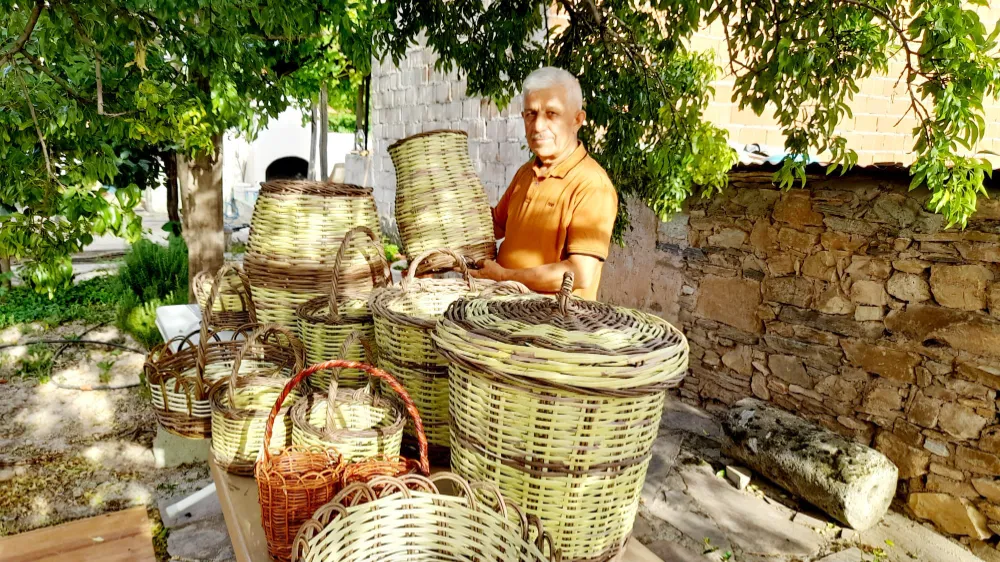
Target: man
(559,210)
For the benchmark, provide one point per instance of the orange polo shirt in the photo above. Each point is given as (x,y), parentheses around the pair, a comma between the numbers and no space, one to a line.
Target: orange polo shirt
(544,219)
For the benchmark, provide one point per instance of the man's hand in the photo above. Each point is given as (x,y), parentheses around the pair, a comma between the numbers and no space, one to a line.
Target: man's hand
(490,270)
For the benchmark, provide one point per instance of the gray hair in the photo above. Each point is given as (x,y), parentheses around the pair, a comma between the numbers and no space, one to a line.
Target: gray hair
(551,77)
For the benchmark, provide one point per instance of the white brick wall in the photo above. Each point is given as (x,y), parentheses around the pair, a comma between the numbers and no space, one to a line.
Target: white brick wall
(414,98)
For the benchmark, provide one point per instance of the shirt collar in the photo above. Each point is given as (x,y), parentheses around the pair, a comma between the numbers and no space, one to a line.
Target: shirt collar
(564,167)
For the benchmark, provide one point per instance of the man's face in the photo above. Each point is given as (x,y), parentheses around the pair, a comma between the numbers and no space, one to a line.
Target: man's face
(550,122)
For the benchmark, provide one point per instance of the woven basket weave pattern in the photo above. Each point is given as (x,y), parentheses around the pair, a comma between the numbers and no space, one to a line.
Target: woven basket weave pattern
(410,518)
(440,201)
(295,234)
(559,401)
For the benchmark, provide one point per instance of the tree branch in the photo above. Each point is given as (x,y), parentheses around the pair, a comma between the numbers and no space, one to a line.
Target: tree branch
(38,128)
(65,85)
(32,21)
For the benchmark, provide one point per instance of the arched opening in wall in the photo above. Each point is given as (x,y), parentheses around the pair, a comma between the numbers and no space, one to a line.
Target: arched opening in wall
(287,168)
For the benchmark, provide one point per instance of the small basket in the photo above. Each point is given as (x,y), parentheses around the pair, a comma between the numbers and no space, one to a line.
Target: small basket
(225,299)
(293,242)
(440,201)
(324,322)
(358,423)
(240,404)
(297,480)
(180,374)
(405,316)
(432,519)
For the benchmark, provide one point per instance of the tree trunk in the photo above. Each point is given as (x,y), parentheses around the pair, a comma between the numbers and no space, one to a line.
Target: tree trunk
(324,131)
(173,194)
(201,184)
(4,269)
(312,140)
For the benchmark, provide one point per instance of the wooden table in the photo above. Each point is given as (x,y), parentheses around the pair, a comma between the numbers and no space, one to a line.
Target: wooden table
(238,496)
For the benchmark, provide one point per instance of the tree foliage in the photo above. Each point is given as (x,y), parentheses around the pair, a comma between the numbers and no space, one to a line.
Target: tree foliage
(93,93)
(647,91)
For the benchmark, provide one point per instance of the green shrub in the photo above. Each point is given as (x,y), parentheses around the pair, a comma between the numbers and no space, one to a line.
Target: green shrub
(151,276)
(151,271)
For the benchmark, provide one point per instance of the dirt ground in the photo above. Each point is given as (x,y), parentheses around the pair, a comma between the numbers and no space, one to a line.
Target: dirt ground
(68,453)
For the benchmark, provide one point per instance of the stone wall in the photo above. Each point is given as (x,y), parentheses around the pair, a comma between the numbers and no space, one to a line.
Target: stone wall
(846,304)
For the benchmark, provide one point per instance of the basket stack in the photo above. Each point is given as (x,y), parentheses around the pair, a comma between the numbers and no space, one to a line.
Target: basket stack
(558,401)
(295,234)
(436,519)
(325,323)
(440,202)
(405,316)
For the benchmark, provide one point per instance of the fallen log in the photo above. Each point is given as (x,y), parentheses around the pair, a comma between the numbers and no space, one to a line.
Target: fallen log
(849,481)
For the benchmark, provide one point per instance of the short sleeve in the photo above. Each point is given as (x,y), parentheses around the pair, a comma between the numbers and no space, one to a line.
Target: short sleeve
(594,213)
(501,211)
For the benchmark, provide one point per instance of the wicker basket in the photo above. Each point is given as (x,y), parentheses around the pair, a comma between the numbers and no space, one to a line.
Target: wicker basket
(359,424)
(181,372)
(295,234)
(296,481)
(440,202)
(559,401)
(436,519)
(240,404)
(405,316)
(325,322)
(225,298)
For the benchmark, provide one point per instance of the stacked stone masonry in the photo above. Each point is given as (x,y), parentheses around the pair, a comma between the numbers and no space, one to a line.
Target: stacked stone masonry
(849,305)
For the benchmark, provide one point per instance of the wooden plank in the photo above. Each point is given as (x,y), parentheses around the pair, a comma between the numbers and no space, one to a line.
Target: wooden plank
(124,536)
(238,496)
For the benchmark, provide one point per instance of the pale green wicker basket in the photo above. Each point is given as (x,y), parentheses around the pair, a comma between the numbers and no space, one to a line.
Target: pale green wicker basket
(325,322)
(295,234)
(359,423)
(441,518)
(440,201)
(405,316)
(225,298)
(240,405)
(558,401)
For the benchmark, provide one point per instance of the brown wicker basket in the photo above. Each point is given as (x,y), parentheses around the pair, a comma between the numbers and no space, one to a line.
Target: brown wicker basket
(181,372)
(295,233)
(440,202)
(295,481)
(324,322)
(225,299)
(240,404)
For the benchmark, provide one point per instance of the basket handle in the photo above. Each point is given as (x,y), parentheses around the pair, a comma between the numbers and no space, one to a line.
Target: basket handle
(246,297)
(379,279)
(460,264)
(354,338)
(565,296)
(375,372)
(264,333)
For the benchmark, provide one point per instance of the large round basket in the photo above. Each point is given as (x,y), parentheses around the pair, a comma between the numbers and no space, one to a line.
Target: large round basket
(558,401)
(225,298)
(295,234)
(293,483)
(180,374)
(240,404)
(325,322)
(405,316)
(360,423)
(440,202)
(440,518)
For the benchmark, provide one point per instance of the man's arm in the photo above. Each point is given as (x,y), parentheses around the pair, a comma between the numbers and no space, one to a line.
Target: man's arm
(500,211)
(545,278)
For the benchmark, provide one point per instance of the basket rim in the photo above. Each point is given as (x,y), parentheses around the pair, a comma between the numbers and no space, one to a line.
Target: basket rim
(431,133)
(313,188)
(303,408)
